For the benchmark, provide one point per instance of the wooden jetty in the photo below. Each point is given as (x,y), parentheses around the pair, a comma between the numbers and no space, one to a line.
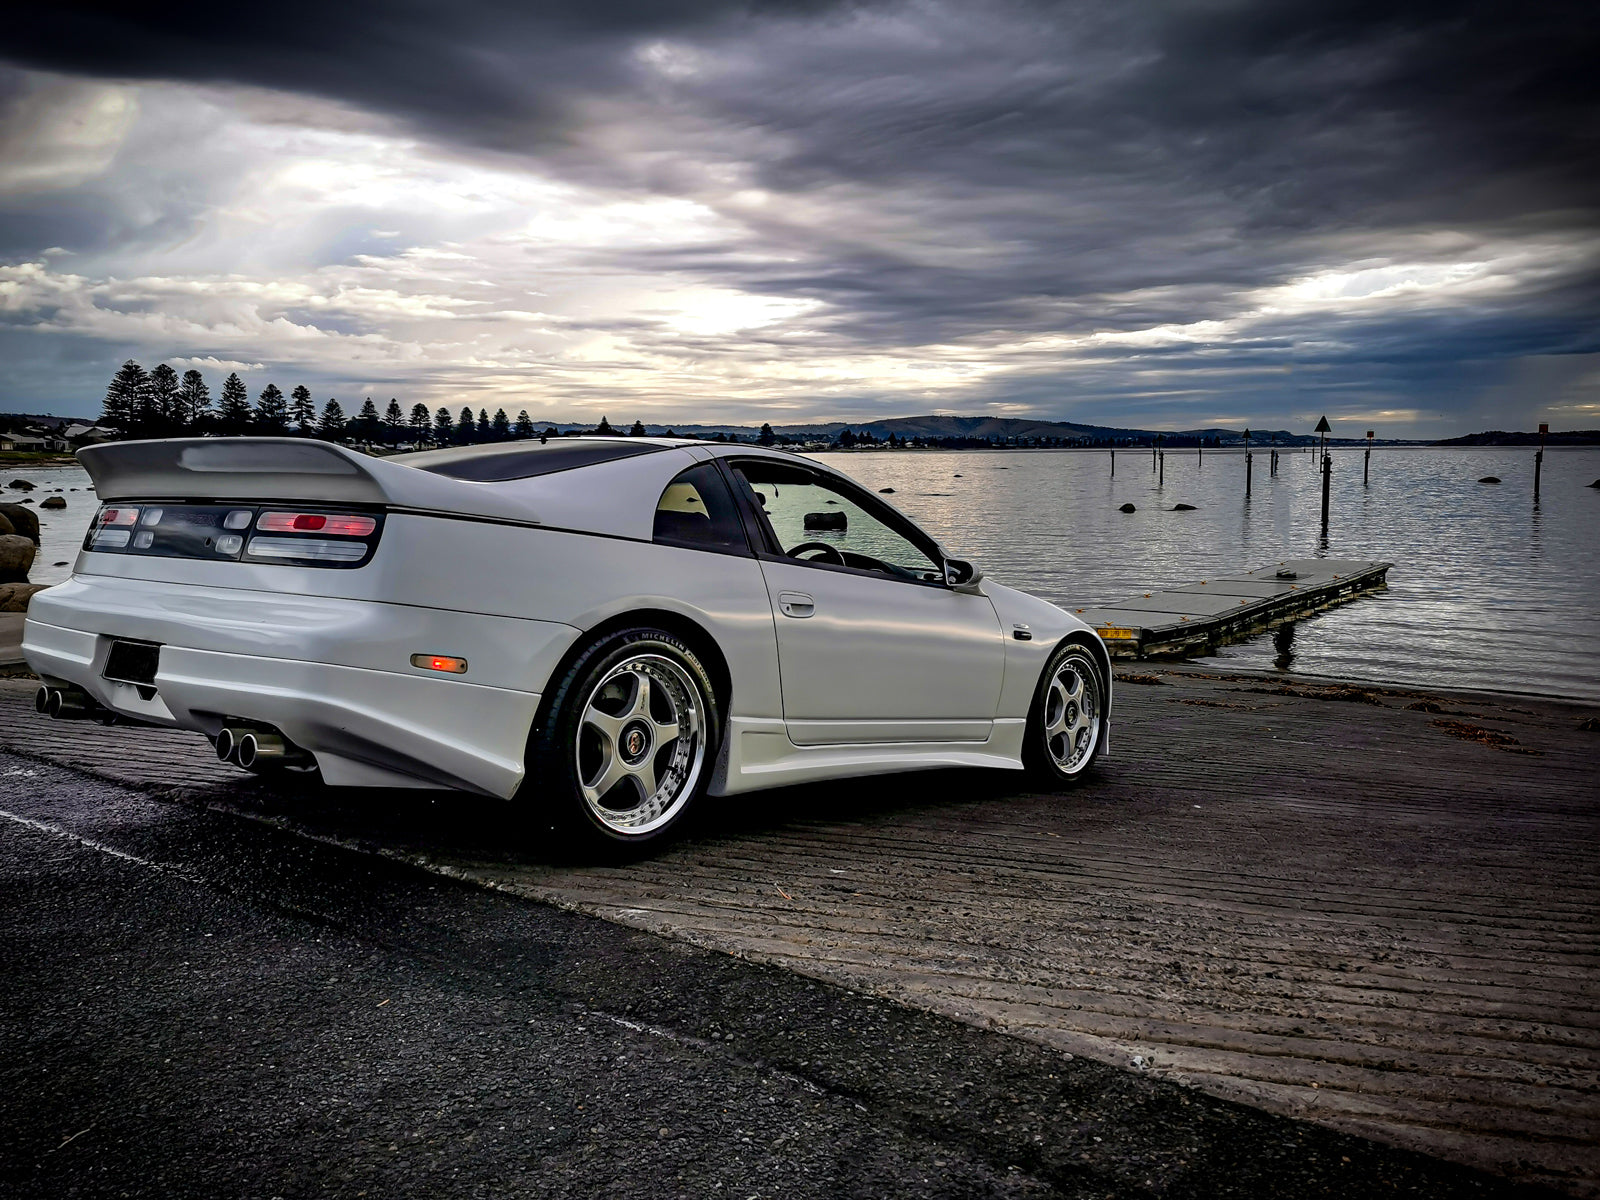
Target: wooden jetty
(1193,618)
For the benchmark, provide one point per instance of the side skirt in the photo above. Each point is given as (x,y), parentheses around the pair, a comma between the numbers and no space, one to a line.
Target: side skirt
(757,753)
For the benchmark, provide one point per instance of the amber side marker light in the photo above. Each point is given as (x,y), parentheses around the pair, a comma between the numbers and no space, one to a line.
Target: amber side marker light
(440,662)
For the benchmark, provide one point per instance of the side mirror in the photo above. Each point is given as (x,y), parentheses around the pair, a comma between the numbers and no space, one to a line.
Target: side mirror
(961,576)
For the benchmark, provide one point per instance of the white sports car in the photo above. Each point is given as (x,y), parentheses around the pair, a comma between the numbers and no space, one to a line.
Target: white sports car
(600,629)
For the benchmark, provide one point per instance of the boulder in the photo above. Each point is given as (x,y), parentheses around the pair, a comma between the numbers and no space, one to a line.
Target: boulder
(14,597)
(1127,508)
(890,491)
(16,556)
(1595,484)
(1183,508)
(22,520)
(826,520)
(21,485)
(54,502)
(1490,479)
(5,524)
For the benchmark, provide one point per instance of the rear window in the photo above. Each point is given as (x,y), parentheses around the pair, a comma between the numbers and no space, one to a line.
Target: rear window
(521,460)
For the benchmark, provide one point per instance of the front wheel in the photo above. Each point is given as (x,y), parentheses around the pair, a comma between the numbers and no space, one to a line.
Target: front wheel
(627,742)
(1068,714)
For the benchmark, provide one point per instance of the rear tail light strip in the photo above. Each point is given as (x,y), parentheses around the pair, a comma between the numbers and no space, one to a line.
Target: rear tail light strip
(206,531)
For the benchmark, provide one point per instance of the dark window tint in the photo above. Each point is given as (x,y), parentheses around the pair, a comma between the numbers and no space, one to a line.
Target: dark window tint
(697,510)
(521,460)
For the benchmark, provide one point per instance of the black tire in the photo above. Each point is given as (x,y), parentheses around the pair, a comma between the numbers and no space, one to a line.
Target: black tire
(570,756)
(1056,758)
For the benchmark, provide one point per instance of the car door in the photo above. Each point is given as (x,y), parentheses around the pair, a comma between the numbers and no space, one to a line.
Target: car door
(873,646)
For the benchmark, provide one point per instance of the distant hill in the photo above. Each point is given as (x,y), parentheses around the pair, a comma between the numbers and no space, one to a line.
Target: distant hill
(1499,437)
(990,429)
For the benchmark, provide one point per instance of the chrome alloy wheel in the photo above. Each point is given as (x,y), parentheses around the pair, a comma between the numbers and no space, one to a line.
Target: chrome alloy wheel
(641,743)
(1071,715)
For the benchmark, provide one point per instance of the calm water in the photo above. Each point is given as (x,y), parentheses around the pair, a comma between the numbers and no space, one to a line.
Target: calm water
(1487,591)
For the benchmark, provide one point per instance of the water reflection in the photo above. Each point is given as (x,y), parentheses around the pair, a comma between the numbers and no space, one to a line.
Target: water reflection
(1283,643)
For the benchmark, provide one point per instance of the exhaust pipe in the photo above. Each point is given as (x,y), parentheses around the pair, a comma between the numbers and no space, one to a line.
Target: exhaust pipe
(263,749)
(257,748)
(67,704)
(227,742)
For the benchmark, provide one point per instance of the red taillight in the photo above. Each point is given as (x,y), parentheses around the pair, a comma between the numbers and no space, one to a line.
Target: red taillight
(118,516)
(338,524)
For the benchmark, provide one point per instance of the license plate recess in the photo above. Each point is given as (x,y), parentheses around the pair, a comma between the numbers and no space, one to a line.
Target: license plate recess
(133,662)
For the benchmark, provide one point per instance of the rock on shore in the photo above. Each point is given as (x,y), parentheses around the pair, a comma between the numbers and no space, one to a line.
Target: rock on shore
(14,597)
(16,556)
(54,502)
(22,520)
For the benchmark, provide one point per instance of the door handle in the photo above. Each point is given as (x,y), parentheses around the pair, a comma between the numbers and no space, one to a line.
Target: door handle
(796,604)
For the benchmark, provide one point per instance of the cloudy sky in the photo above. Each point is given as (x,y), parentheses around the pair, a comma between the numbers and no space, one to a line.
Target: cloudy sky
(1162,214)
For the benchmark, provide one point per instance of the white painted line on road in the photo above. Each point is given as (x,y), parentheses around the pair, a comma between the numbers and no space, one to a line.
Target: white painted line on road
(681,1039)
(91,844)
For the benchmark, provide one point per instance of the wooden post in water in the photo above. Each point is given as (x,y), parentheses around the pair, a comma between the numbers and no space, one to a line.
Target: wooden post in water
(1538,461)
(1247,464)
(1161,458)
(1367,462)
(1327,469)
(1113,462)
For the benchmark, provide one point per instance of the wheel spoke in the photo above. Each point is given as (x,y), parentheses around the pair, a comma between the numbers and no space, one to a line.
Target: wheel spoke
(609,726)
(641,697)
(645,773)
(612,771)
(666,731)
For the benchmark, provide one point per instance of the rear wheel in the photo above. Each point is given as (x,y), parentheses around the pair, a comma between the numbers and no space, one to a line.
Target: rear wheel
(627,742)
(1065,723)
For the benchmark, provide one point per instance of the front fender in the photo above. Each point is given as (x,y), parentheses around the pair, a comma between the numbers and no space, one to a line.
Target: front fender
(1048,626)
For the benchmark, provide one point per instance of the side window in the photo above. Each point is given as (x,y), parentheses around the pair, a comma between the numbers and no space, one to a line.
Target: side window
(697,511)
(817,520)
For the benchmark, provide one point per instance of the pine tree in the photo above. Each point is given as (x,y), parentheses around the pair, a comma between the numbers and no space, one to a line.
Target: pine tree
(524,425)
(466,427)
(303,410)
(367,425)
(500,428)
(163,407)
(766,436)
(604,427)
(485,429)
(444,427)
(637,430)
(331,427)
(233,414)
(123,396)
(272,414)
(393,421)
(420,422)
(196,401)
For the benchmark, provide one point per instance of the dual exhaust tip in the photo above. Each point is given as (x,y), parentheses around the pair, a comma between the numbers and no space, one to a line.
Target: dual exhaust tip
(256,748)
(68,704)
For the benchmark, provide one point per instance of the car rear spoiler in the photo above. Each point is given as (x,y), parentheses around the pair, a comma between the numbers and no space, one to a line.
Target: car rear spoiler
(267,468)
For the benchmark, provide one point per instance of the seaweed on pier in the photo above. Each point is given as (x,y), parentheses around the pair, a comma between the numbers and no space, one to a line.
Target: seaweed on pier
(1494,738)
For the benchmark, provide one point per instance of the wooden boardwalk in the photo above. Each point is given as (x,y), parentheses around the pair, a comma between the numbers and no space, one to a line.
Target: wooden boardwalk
(1195,618)
(1338,903)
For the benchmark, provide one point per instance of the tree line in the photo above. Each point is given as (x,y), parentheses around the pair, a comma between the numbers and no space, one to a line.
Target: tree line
(158,403)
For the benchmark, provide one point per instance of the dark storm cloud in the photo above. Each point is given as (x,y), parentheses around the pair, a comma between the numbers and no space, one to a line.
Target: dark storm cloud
(981,172)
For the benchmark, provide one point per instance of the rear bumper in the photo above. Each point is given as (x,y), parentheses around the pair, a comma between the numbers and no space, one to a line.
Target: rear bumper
(313,668)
